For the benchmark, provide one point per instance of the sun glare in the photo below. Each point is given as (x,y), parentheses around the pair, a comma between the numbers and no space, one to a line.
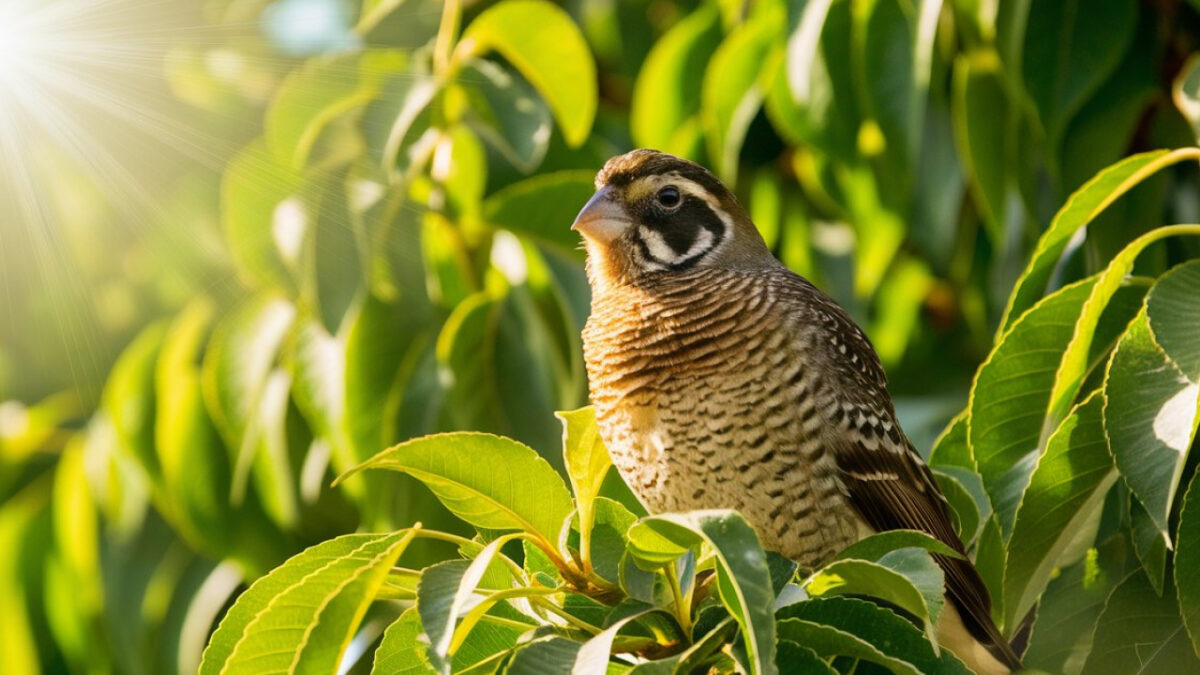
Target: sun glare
(83,93)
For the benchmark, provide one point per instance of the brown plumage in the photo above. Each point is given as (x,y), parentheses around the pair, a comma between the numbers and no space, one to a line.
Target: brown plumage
(723,380)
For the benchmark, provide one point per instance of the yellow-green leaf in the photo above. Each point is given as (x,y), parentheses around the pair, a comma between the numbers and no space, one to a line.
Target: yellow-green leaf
(540,40)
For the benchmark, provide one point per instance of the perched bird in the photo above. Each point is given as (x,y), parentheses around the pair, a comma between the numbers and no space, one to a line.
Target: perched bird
(721,379)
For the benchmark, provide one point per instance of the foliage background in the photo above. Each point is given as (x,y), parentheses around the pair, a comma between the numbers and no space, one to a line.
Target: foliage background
(297,232)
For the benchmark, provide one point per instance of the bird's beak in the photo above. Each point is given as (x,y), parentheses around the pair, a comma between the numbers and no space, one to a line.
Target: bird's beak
(602,218)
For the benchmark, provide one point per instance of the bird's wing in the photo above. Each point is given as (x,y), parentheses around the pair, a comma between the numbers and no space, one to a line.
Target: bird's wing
(887,481)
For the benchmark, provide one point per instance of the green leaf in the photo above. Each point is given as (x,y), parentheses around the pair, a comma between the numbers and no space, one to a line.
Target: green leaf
(130,400)
(442,597)
(301,616)
(547,655)
(1011,392)
(1171,307)
(983,134)
(319,92)
(1067,613)
(248,399)
(317,362)
(544,44)
(1070,48)
(1066,490)
(1187,561)
(461,172)
(592,657)
(506,112)
(891,634)
(542,207)
(401,652)
(587,463)
(666,94)
(1149,542)
(195,464)
(336,260)
(892,84)
(411,139)
(733,88)
(1140,632)
(405,23)
(829,642)
(964,508)
(382,346)
(1100,135)
(76,524)
(813,100)
(609,537)
(264,223)
(951,448)
(241,354)
(694,658)
(1150,417)
(1081,208)
(486,480)
(878,545)
(1075,361)
(742,575)
(907,578)
(793,659)
(466,355)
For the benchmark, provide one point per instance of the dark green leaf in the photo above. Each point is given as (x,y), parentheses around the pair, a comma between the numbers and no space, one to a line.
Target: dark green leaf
(1187,561)
(1149,418)
(1066,491)
(1070,48)
(1140,632)
(829,642)
(542,207)
(887,631)
(506,112)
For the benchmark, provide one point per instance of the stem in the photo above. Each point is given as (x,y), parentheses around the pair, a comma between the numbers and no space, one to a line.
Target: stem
(586,523)
(566,616)
(517,572)
(447,33)
(487,603)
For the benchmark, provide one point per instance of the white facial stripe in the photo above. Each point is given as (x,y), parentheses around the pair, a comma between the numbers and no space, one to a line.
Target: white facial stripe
(659,248)
(662,252)
(701,245)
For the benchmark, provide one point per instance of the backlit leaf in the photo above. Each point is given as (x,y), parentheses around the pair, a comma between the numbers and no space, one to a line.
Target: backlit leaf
(486,480)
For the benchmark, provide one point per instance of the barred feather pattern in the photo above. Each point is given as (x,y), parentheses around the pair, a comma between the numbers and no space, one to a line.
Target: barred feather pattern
(720,388)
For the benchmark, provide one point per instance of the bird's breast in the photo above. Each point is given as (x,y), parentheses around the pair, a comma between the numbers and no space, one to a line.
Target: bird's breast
(709,401)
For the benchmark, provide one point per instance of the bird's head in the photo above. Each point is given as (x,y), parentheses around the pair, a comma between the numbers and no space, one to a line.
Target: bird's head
(656,214)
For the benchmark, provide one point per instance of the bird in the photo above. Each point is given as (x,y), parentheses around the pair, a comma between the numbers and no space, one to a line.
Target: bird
(721,379)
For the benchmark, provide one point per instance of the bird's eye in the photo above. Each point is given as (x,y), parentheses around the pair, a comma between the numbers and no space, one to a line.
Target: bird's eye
(668,197)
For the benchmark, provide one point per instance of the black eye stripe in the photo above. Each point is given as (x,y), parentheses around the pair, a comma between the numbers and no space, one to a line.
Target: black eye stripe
(680,229)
